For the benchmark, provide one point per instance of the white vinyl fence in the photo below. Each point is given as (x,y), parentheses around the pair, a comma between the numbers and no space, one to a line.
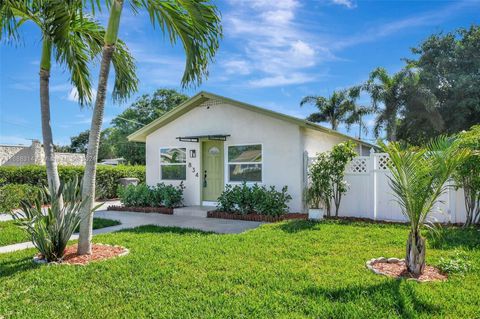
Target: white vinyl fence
(369,194)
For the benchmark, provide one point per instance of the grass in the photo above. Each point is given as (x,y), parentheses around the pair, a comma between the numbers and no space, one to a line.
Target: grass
(12,234)
(294,269)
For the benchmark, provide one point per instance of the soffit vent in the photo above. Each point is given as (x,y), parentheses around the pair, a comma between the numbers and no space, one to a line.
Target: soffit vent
(211,102)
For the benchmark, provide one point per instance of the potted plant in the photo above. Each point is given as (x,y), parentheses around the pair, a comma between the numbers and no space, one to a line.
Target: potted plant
(315,204)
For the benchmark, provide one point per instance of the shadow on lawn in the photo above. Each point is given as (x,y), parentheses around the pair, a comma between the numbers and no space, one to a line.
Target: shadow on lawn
(295,226)
(400,294)
(163,230)
(11,267)
(455,237)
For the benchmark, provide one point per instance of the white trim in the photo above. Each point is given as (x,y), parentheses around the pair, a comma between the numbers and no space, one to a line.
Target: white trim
(227,163)
(172,164)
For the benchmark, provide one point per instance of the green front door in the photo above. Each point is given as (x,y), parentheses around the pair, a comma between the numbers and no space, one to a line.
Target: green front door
(212,175)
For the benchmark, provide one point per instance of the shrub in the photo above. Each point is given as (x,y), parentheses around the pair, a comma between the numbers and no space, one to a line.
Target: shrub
(171,196)
(11,195)
(327,175)
(242,199)
(145,196)
(227,200)
(271,202)
(106,181)
(467,175)
(136,195)
(458,264)
(51,228)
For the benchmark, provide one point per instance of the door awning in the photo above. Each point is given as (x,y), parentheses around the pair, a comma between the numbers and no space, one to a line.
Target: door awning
(196,138)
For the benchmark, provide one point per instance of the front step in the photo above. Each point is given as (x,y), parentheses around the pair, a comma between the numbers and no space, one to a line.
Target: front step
(193,211)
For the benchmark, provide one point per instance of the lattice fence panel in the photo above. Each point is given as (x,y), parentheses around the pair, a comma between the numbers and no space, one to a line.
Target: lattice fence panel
(382,162)
(358,165)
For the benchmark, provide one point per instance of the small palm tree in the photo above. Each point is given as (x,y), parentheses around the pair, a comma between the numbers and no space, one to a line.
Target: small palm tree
(334,109)
(418,178)
(387,90)
(196,23)
(74,39)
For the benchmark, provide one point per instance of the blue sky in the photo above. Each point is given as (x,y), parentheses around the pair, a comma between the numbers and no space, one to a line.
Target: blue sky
(274,52)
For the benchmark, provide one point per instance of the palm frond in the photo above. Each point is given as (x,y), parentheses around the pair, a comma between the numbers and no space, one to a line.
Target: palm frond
(196,23)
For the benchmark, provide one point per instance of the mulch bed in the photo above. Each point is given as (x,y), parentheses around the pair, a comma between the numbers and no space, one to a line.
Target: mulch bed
(256,217)
(161,210)
(99,252)
(399,270)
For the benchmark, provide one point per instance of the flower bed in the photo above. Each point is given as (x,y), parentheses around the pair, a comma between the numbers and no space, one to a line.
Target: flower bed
(161,210)
(255,217)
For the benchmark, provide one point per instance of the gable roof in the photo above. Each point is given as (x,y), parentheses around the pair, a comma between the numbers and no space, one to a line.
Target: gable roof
(201,97)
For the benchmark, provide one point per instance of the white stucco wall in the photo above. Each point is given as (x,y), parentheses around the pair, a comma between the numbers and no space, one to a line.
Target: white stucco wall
(317,142)
(281,147)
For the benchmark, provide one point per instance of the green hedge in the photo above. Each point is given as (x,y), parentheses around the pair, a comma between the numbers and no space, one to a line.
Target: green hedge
(107,176)
(12,194)
(143,195)
(245,199)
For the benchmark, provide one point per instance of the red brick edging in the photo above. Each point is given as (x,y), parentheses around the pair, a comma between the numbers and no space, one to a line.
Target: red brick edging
(161,210)
(256,217)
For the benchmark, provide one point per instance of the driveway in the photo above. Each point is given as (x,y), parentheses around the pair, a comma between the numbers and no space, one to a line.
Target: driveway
(133,219)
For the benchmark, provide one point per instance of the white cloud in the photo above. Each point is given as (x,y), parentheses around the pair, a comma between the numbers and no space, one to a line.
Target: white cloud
(73,95)
(347,3)
(279,80)
(237,66)
(273,45)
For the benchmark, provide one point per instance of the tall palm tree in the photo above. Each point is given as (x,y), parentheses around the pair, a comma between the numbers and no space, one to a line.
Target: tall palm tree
(357,112)
(74,39)
(418,178)
(334,109)
(387,90)
(196,23)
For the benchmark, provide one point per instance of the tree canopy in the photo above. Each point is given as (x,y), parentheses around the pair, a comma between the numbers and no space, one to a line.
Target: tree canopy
(113,140)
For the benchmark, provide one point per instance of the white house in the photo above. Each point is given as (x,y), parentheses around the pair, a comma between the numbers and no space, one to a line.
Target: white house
(210,141)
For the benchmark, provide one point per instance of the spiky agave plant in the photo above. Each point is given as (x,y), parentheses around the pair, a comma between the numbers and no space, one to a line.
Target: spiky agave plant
(418,178)
(51,227)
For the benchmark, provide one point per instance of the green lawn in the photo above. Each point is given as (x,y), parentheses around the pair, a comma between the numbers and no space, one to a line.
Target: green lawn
(294,269)
(12,234)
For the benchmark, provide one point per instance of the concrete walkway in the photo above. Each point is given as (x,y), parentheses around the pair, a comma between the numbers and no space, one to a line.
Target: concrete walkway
(133,219)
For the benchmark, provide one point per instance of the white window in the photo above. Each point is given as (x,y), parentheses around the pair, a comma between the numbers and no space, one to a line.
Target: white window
(173,163)
(245,163)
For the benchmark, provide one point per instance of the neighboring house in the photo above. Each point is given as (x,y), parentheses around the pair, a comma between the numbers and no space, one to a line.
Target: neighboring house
(210,141)
(18,155)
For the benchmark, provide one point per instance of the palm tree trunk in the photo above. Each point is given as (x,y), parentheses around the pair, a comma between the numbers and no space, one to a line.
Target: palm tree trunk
(392,130)
(85,235)
(48,147)
(415,259)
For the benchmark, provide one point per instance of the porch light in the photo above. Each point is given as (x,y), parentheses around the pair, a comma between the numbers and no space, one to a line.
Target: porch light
(193,153)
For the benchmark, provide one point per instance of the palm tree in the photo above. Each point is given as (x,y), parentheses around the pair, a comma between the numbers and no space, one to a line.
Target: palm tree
(387,90)
(196,23)
(74,39)
(357,112)
(334,109)
(418,178)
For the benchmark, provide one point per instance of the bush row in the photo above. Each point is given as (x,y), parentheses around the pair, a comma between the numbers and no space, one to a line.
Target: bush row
(151,196)
(12,194)
(243,199)
(106,181)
